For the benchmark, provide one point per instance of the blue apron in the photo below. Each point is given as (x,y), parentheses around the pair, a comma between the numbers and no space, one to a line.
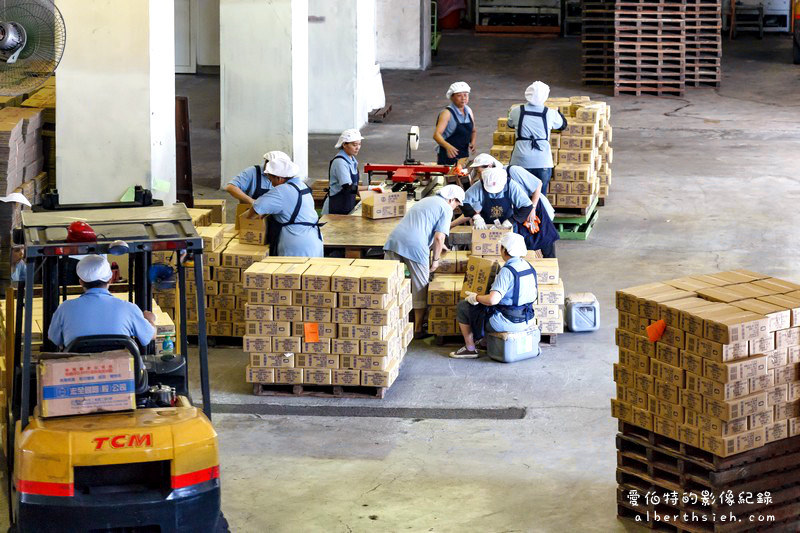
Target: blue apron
(533,140)
(274,228)
(460,138)
(344,201)
(496,208)
(515,312)
(259,190)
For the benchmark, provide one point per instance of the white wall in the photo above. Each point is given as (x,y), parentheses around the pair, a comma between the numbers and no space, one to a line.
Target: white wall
(402,31)
(208,32)
(263,81)
(113,101)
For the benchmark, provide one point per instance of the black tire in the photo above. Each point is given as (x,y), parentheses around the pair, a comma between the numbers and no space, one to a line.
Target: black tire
(222,524)
(796,51)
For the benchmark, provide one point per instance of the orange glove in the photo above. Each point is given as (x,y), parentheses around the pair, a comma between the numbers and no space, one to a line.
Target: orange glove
(533,224)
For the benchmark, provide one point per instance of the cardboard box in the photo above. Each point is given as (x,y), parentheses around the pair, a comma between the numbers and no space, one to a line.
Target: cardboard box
(257,224)
(380,378)
(383,205)
(286,344)
(260,375)
(383,348)
(487,241)
(735,370)
(442,293)
(279,360)
(288,313)
(325,330)
(479,276)
(258,344)
(345,346)
(289,276)
(216,206)
(318,277)
(259,275)
(269,297)
(346,316)
(292,376)
(323,346)
(726,446)
(73,384)
(364,332)
(327,361)
(317,314)
(267,329)
(380,317)
(364,301)
(315,299)
(381,279)
(347,279)
(317,376)
(349,377)
(505,138)
(727,410)
(551,294)
(212,236)
(445,326)
(263,313)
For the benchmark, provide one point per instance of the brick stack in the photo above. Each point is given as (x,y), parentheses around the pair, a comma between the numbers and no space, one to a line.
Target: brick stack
(326,322)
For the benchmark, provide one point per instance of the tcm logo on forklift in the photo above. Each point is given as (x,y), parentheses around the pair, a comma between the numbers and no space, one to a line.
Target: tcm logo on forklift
(133,440)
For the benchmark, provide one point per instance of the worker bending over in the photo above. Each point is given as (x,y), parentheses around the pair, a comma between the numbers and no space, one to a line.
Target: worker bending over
(533,123)
(253,183)
(495,199)
(455,127)
(509,305)
(343,177)
(425,225)
(97,312)
(293,228)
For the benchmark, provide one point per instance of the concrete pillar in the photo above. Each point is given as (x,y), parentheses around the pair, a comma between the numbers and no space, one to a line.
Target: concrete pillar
(116,100)
(403,31)
(263,81)
(342,60)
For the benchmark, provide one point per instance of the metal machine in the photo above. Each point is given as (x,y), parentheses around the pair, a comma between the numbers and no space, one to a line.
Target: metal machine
(152,469)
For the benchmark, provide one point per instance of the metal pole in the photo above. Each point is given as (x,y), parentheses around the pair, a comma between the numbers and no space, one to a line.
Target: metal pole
(26,354)
(184,342)
(202,339)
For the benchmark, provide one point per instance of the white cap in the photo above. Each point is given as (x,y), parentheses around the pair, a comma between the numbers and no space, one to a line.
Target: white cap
(283,168)
(514,244)
(458,87)
(452,192)
(348,136)
(537,93)
(494,180)
(485,160)
(276,154)
(94,268)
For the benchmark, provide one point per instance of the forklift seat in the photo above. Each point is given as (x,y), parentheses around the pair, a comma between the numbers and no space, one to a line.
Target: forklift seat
(104,343)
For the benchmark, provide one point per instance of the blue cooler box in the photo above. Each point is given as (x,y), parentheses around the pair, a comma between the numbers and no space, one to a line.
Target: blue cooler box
(583,312)
(513,347)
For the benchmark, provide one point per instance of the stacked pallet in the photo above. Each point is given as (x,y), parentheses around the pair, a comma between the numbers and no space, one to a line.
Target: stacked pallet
(326,322)
(703,43)
(597,40)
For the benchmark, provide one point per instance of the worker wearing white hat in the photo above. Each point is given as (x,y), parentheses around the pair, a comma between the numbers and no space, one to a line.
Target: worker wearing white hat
(455,127)
(508,306)
(97,311)
(343,177)
(495,199)
(252,182)
(533,122)
(425,226)
(293,228)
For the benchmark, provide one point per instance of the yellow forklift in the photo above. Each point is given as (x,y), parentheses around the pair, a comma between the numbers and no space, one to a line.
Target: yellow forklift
(153,469)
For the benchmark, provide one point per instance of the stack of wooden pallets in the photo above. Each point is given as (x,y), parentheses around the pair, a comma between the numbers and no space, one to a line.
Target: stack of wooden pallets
(597,38)
(703,43)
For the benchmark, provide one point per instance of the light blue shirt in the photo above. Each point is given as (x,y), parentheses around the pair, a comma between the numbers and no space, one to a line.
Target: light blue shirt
(339,176)
(413,236)
(18,272)
(524,154)
(246,181)
(296,240)
(504,284)
(529,184)
(515,192)
(456,117)
(97,312)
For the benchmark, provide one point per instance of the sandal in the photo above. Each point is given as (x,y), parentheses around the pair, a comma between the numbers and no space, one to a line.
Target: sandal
(464,353)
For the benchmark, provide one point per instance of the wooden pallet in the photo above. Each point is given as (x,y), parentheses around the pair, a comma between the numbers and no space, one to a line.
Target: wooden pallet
(380,114)
(318,391)
(539,31)
(452,340)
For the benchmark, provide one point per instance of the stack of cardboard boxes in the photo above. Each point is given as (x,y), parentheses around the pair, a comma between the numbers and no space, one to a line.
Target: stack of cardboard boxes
(582,153)
(725,375)
(45,99)
(324,321)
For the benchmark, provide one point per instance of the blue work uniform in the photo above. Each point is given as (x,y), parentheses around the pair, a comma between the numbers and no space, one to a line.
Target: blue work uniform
(512,198)
(458,132)
(98,312)
(519,290)
(253,182)
(18,272)
(545,239)
(532,148)
(529,184)
(413,236)
(343,181)
(294,225)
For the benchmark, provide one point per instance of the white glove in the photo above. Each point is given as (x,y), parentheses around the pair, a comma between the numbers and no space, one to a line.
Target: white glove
(507,224)
(472,298)
(496,223)
(478,222)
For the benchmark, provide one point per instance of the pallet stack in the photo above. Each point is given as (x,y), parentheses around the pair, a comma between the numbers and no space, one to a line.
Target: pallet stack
(597,39)
(45,99)
(703,43)
(319,322)
(719,388)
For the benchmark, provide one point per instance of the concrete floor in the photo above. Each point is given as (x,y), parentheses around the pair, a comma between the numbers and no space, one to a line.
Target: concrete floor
(701,183)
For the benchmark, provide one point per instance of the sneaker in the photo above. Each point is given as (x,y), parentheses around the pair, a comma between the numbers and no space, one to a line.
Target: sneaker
(464,353)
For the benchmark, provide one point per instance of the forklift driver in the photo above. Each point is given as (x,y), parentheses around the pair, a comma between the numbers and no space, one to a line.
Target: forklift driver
(97,311)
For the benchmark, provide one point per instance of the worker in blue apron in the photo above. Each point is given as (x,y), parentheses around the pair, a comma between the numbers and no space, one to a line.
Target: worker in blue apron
(455,127)
(293,229)
(343,177)
(534,122)
(252,182)
(495,199)
(508,307)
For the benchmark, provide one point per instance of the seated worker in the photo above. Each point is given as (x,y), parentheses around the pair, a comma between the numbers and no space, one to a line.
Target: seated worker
(509,305)
(343,177)
(425,225)
(97,312)
(495,198)
(540,233)
(252,183)
(293,229)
